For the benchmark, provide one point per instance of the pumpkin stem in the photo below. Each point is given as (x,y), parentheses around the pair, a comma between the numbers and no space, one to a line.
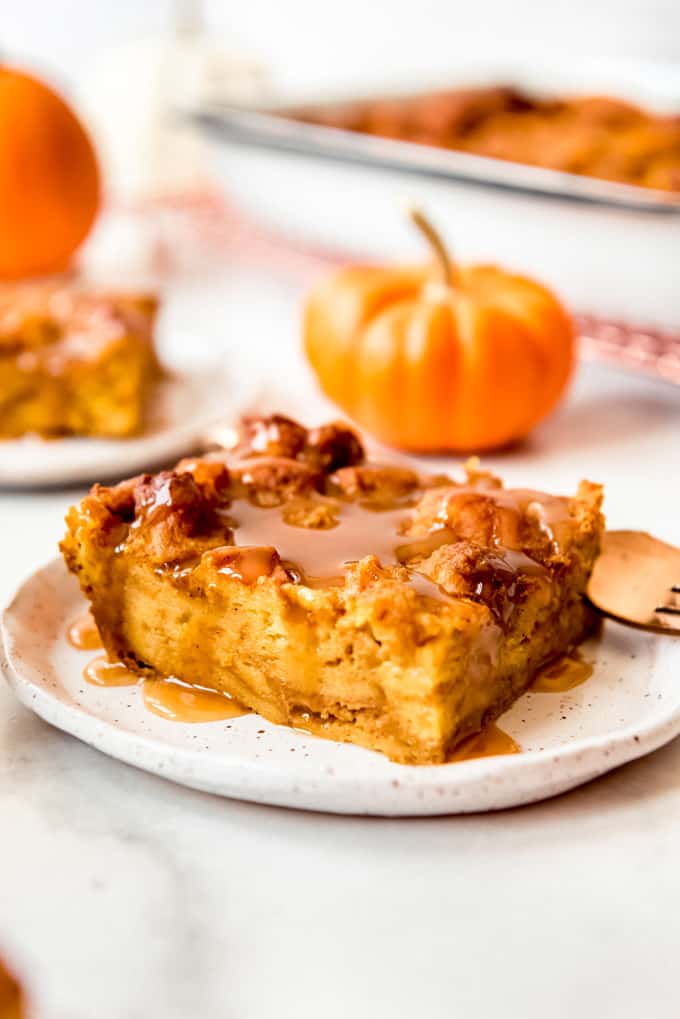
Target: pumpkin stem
(447,266)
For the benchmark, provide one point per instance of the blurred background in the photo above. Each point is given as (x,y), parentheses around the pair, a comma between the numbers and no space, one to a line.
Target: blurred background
(306,41)
(233,234)
(227,223)
(120,62)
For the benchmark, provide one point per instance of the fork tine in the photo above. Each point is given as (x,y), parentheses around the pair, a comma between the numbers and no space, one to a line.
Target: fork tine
(670,610)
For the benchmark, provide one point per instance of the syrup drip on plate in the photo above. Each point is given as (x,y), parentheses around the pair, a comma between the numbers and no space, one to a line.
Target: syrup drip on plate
(83,634)
(168,698)
(101,672)
(563,674)
(180,702)
(490,742)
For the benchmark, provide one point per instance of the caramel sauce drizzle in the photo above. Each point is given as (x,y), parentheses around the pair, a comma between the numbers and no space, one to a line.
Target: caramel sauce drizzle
(169,698)
(318,556)
(563,674)
(180,702)
(101,672)
(246,563)
(321,554)
(83,634)
(490,742)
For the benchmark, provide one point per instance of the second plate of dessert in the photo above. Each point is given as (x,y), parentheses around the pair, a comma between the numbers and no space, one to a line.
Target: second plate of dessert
(84,395)
(185,404)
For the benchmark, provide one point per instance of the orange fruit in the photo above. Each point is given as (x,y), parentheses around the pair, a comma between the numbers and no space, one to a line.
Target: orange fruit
(49,178)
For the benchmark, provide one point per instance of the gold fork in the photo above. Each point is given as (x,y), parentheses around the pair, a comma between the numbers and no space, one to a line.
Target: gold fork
(635,580)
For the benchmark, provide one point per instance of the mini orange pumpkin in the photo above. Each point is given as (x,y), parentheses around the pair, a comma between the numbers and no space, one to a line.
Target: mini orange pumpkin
(440,357)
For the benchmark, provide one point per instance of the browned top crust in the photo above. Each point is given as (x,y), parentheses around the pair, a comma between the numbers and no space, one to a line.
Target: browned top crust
(327,448)
(595,136)
(471,538)
(62,325)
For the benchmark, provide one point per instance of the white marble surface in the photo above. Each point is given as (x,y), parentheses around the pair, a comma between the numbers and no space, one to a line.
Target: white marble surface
(122,896)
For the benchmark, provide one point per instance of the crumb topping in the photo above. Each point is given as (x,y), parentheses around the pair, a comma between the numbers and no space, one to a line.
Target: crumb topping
(324,449)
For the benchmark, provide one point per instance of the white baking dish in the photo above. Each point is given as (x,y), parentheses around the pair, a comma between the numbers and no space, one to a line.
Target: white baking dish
(609,249)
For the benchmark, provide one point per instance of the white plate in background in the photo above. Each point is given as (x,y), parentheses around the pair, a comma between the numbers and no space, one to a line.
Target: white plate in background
(629,707)
(186,403)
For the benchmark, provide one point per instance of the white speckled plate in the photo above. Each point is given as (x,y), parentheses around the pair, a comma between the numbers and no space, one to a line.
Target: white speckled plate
(184,406)
(629,707)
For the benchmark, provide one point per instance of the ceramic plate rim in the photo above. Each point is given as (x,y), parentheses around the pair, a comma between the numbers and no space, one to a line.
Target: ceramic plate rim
(595,755)
(91,456)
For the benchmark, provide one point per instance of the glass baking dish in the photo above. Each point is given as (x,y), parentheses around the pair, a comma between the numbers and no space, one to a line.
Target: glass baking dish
(611,249)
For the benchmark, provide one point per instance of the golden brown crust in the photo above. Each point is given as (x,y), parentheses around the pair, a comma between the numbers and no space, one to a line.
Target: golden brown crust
(377,483)
(333,446)
(326,448)
(271,435)
(269,481)
(595,136)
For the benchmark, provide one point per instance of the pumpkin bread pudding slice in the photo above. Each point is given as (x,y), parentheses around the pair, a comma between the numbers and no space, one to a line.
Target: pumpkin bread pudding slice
(74,361)
(359,601)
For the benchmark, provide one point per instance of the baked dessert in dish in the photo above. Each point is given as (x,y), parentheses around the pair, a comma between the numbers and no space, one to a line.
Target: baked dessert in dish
(74,361)
(359,601)
(595,136)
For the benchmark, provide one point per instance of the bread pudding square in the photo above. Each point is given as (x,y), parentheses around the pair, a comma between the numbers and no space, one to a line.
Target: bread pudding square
(361,602)
(74,361)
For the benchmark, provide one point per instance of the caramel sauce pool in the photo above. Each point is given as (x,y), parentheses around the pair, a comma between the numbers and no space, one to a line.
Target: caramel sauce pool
(563,674)
(180,702)
(101,672)
(167,698)
(559,676)
(490,742)
(83,634)
(319,556)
